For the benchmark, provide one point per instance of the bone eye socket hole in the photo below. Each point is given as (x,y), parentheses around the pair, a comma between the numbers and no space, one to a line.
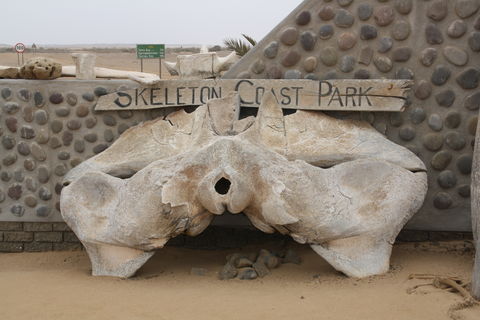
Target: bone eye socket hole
(223,186)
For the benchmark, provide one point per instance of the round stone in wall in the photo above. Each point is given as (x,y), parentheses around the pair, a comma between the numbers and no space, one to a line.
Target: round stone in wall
(88,97)
(38,99)
(11,107)
(428,56)
(30,201)
(6,176)
(469,78)
(91,122)
(326,32)
(310,64)
(442,201)
(289,36)
(44,194)
(124,127)
(17,210)
(440,75)
(108,135)
(445,98)
(344,3)
(453,120)
(396,119)
(24,95)
(55,143)
(437,10)
(407,133)
(258,66)
(2,196)
(423,90)
(346,40)
(43,211)
(271,50)
(67,138)
(62,112)
(11,124)
(56,126)
(303,18)
(31,184)
(79,146)
(41,117)
(364,11)
(27,113)
(457,29)
(402,54)
(417,115)
(29,164)
(60,170)
(27,132)
(308,40)
(433,34)
(383,64)
(293,74)
(326,13)
(472,102)
(433,141)
(474,41)
(401,30)
(464,191)
(90,137)
(100,91)
(56,98)
(74,124)
(455,141)
(362,74)
(125,114)
(6,93)
(456,56)
(441,160)
(464,163)
(347,63)
(72,99)
(15,191)
(23,148)
(343,19)
(82,111)
(291,58)
(368,32)
(63,155)
(466,8)
(99,148)
(447,179)
(403,6)
(383,15)
(8,142)
(328,56)
(37,152)
(385,44)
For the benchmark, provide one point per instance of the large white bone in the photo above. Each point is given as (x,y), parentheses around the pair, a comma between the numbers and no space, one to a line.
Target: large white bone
(171,176)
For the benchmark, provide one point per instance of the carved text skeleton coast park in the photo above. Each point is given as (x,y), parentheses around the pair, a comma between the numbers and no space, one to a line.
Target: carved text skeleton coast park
(342,95)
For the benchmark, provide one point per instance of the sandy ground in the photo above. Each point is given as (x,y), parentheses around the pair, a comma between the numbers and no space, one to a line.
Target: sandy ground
(59,286)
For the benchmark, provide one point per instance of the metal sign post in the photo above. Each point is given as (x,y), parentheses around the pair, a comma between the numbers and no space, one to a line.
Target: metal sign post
(151,51)
(20,49)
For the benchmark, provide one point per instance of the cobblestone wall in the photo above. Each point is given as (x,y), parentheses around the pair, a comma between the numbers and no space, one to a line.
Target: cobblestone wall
(434,42)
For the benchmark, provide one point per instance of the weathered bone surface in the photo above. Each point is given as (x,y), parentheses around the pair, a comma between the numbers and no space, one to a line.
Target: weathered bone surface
(202,65)
(141,77)
(41,68)
(339,186)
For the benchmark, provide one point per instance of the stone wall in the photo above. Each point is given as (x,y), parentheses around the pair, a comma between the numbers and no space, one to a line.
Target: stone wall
(434,42)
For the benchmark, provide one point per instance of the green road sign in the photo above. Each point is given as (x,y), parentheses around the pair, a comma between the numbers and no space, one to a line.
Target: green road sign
(150,51)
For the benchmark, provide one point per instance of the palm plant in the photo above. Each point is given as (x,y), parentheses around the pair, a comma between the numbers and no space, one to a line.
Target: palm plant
(239,46)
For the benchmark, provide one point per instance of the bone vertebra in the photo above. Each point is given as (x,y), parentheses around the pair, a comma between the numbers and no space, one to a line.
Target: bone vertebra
(339,186)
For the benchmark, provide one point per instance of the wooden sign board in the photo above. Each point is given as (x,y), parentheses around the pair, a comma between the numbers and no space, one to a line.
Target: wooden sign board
(343,95)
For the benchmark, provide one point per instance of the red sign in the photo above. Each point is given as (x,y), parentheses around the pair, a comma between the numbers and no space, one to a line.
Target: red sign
(20,47)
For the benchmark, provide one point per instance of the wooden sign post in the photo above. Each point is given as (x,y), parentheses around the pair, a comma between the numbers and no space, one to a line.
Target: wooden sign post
(475,194)
(340,95)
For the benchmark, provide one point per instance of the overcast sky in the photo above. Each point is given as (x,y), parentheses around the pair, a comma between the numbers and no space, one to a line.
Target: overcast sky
(138,21)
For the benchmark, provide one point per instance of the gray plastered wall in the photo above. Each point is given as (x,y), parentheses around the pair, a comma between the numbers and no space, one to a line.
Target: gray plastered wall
(434,42)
